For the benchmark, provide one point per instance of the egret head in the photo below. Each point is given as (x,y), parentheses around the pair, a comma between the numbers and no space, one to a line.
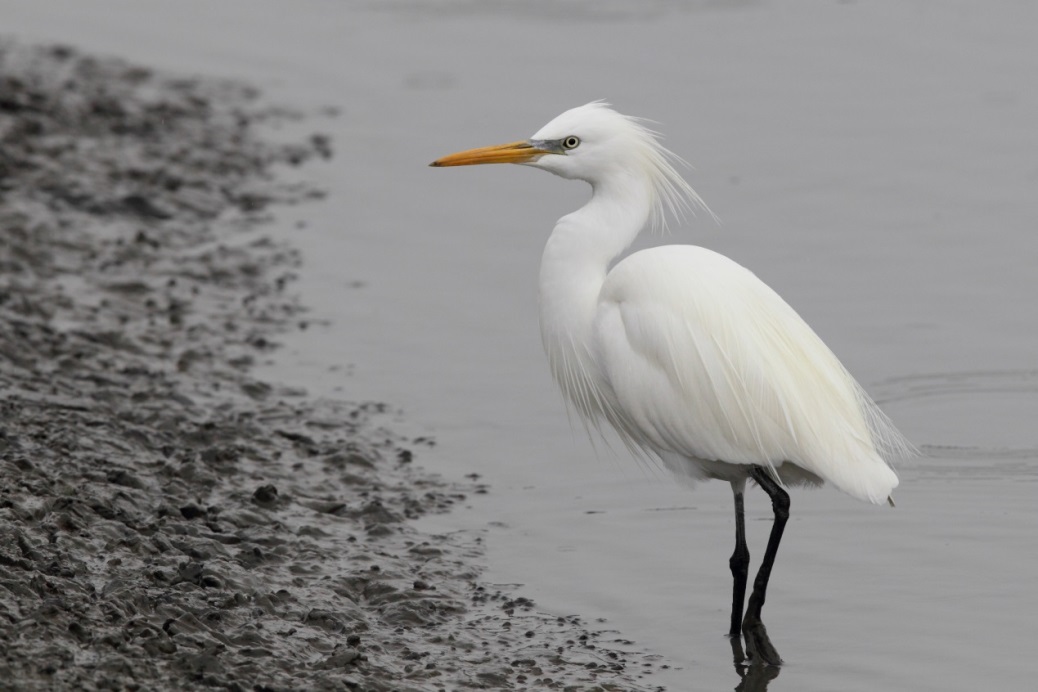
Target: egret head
(593,142)
(596,144)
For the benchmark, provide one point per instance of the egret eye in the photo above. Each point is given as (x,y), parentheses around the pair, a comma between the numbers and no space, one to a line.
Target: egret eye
(571,142)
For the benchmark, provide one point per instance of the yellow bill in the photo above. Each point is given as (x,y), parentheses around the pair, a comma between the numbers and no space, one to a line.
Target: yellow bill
(513,152)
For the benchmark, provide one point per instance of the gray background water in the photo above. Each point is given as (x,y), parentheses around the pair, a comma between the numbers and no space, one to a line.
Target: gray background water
(876,163)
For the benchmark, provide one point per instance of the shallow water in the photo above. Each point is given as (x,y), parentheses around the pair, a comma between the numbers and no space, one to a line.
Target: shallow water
(873,162)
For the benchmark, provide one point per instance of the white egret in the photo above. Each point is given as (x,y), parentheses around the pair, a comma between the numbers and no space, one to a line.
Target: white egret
(687,355)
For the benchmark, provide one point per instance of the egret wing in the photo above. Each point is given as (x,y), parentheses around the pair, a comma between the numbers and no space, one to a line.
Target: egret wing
(705,360)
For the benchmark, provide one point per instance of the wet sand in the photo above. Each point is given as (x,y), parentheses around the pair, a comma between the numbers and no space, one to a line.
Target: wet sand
(168,520)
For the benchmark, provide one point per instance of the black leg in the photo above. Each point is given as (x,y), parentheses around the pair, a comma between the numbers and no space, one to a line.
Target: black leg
(739,563)
(757,643)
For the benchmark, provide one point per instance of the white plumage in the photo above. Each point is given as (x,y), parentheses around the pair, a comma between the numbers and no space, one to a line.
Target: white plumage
(686,354)
(733,373)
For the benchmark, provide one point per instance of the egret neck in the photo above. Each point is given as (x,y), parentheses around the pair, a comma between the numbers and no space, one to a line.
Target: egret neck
(576,259)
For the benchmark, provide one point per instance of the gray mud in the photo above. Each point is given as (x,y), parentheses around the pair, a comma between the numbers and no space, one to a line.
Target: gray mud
(166,520)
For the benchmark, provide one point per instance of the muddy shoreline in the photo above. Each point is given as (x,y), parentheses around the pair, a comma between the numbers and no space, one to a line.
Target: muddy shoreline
(167,521)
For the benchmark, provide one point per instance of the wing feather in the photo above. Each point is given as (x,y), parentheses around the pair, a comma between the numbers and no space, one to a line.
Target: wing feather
(702,359)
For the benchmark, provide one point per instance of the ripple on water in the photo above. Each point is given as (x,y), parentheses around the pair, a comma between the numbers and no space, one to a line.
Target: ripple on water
(982,421)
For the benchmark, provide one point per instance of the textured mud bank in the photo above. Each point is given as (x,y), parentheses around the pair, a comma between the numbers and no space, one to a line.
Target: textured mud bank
(166,520)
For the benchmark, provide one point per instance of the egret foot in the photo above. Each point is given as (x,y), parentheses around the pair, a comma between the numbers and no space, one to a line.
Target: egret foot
(758,645)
